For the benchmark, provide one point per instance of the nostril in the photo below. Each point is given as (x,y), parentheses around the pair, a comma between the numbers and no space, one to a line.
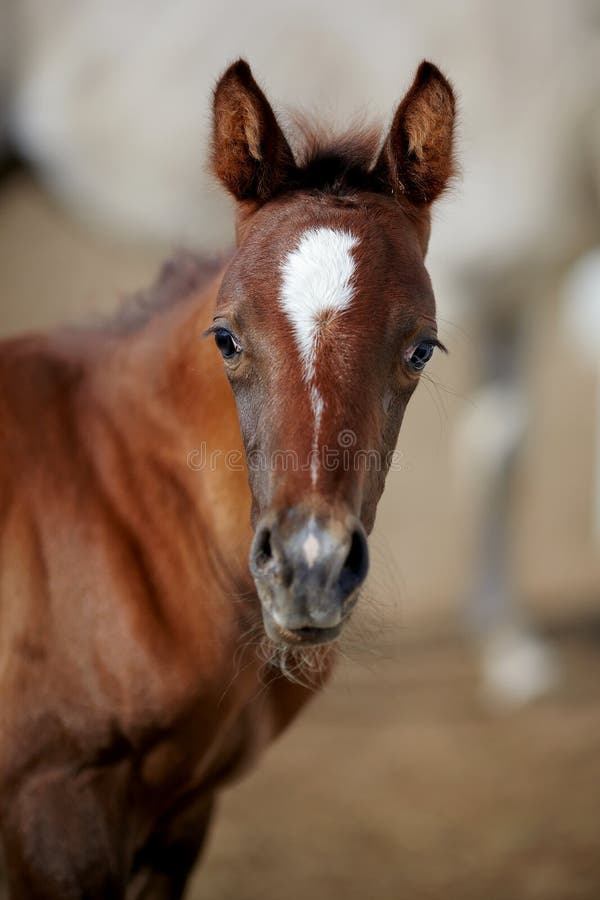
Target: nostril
(263,552)
(355,568)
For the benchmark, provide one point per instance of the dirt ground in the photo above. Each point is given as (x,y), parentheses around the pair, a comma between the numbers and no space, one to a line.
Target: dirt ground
(400,784)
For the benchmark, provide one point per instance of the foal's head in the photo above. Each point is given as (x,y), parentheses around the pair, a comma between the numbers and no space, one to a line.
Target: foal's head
(325,319)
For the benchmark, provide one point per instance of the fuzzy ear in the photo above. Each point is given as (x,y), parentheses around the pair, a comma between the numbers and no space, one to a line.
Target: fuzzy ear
(416,159)
(250,154)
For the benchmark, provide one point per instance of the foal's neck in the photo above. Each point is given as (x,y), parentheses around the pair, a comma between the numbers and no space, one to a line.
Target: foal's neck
(164,389)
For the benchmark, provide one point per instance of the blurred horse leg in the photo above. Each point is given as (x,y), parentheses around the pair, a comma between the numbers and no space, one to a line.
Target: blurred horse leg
(516,665)
(164,864)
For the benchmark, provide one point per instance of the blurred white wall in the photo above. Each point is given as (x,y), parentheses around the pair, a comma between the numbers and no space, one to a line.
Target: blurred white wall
(111,101)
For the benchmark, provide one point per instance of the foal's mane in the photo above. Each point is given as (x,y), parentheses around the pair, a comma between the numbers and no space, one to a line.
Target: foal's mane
(180,276)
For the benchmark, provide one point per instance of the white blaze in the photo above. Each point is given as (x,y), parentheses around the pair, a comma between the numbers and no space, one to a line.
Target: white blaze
(316,284)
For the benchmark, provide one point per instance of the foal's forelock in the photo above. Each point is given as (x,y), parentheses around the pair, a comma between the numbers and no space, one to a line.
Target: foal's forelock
(317,287)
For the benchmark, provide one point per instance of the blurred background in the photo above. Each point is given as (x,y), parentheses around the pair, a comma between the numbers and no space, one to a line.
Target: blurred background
(457,752)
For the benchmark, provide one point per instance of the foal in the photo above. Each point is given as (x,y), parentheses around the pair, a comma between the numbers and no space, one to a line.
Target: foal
(132,680)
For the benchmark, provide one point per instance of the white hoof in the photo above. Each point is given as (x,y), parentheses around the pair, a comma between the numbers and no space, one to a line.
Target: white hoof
(517,668)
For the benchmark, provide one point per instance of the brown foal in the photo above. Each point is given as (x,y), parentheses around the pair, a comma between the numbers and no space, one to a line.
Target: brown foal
(142,658)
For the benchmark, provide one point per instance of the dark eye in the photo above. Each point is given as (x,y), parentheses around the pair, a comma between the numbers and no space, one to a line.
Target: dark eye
(227,344)
(421,355)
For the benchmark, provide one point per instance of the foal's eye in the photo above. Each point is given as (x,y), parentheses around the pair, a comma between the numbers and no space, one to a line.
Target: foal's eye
(421,355)
(227,344)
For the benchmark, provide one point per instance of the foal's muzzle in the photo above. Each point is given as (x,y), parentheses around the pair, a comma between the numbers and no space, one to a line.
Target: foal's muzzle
(307,570)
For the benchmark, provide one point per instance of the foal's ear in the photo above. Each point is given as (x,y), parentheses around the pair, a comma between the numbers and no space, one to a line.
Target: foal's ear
(416,158)
(250,154)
